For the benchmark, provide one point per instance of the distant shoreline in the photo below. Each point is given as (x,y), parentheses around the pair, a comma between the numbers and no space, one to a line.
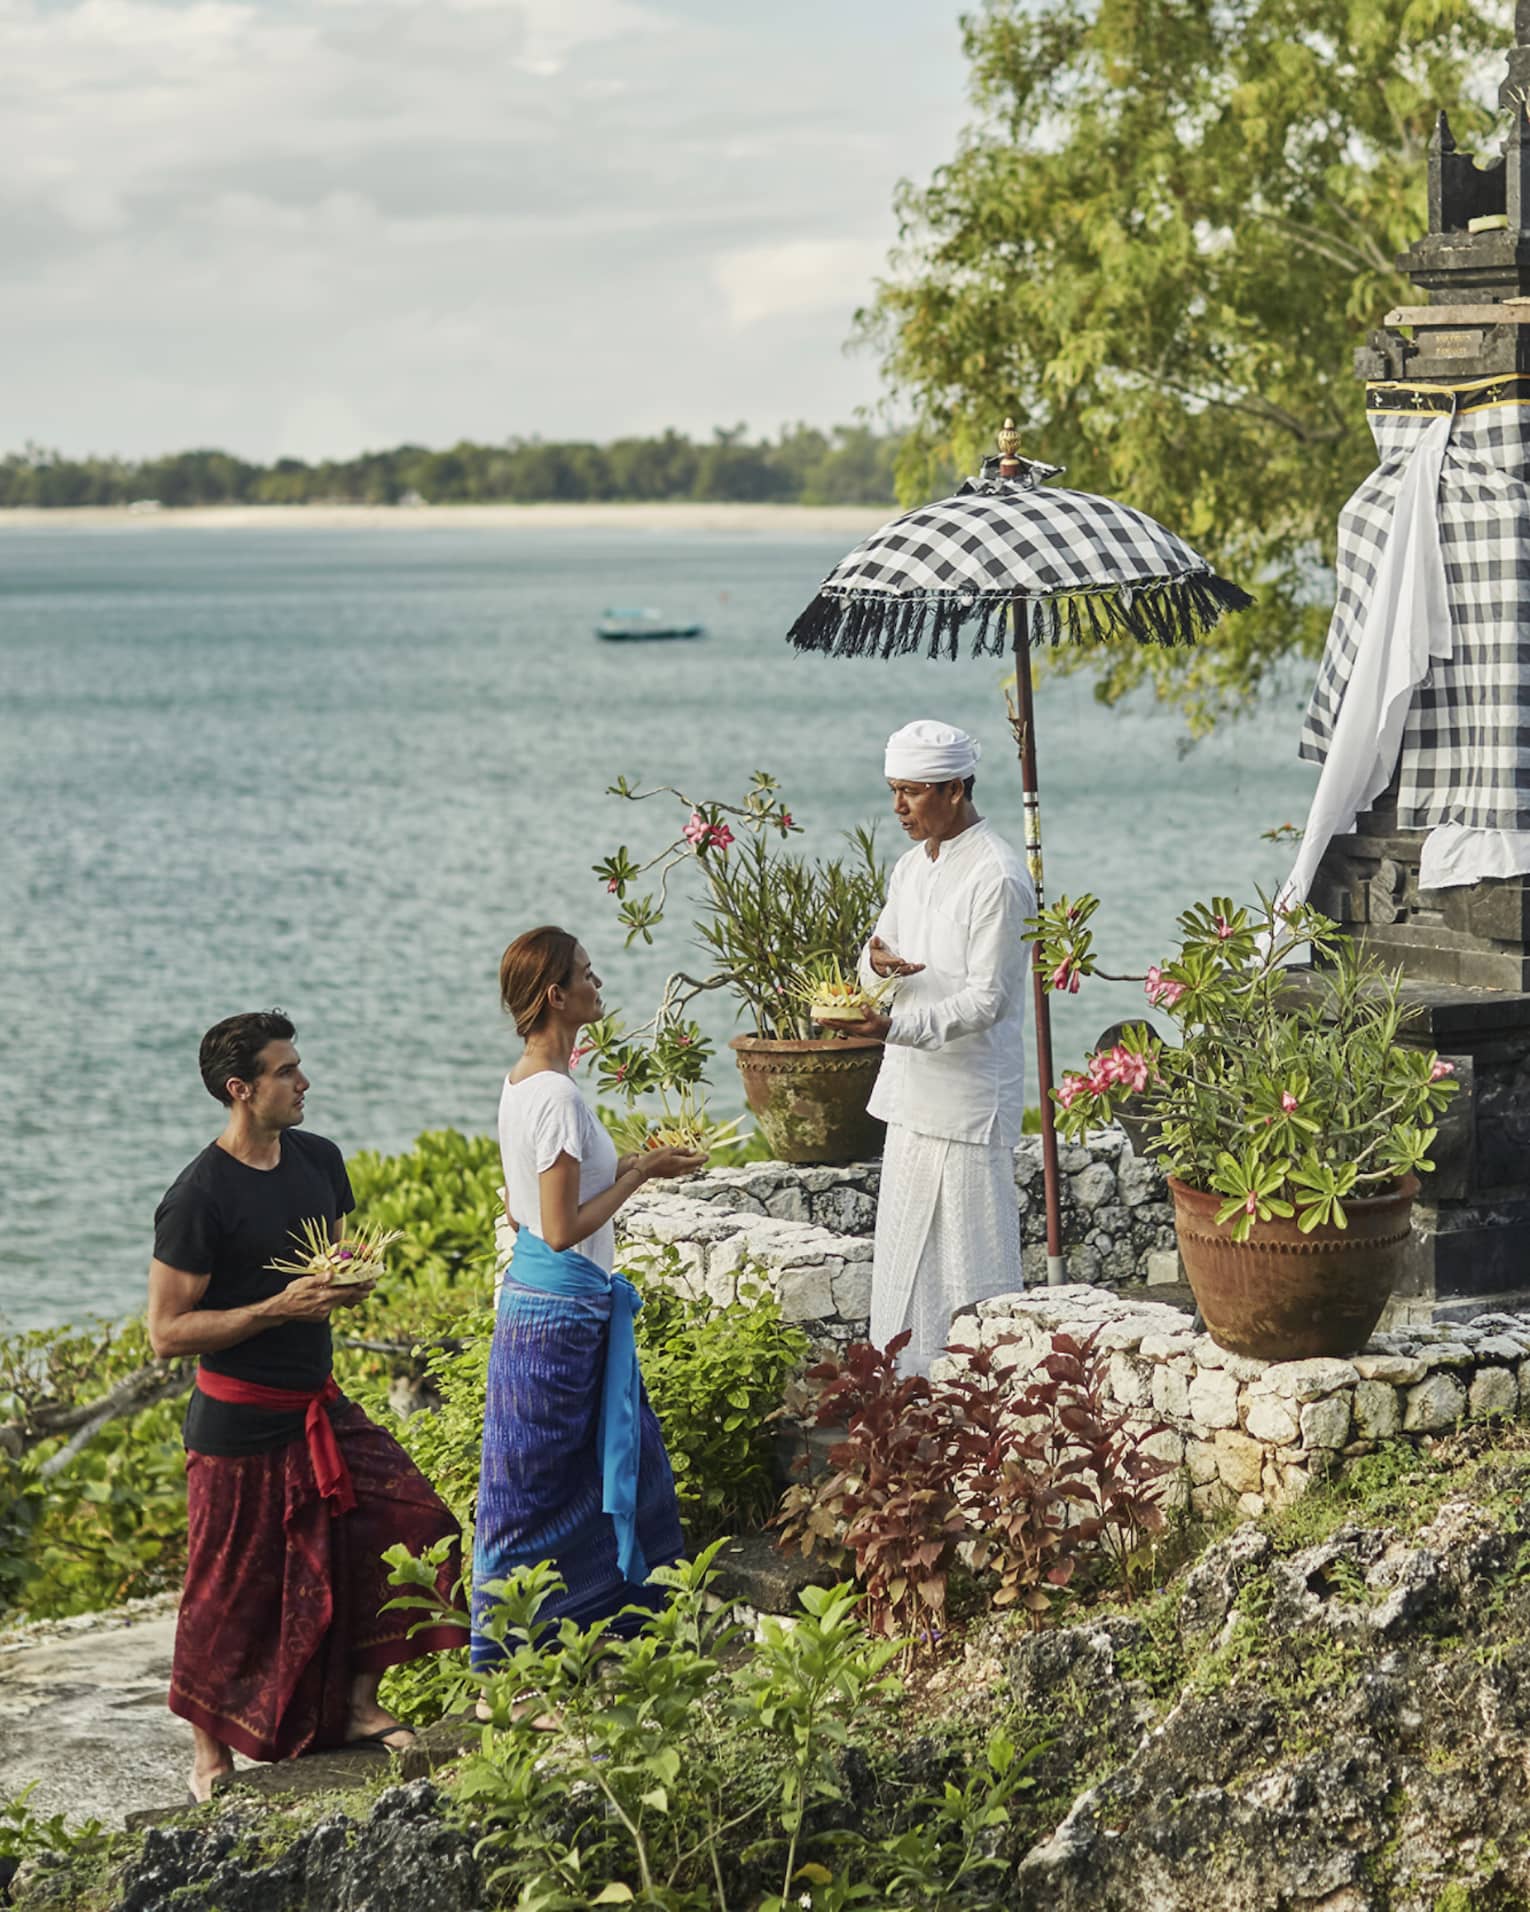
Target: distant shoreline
(795,520)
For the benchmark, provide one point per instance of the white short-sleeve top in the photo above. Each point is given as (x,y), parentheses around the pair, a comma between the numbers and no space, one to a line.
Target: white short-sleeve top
(540,1118)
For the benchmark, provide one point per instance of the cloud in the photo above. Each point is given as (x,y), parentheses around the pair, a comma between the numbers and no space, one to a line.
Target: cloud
(267,219)
(799,275)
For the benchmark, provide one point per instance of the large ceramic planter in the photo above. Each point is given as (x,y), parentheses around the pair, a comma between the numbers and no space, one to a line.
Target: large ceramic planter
(1285,1296)
(810,1097)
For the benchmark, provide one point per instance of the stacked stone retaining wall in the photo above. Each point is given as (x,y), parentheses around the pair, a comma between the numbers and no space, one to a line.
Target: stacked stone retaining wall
(1251,1433)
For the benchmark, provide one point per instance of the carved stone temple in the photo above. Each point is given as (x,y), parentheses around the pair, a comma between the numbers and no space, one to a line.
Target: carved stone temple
(1464,350)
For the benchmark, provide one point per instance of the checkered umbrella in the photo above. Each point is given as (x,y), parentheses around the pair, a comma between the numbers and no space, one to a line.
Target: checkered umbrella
(1010,562)
(1075,567)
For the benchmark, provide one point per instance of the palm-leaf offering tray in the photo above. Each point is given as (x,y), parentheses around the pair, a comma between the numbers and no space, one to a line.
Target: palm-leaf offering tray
(830,996)
(357,1257)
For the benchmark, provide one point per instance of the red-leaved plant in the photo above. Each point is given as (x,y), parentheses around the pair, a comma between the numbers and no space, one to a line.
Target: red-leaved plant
(1033,1483)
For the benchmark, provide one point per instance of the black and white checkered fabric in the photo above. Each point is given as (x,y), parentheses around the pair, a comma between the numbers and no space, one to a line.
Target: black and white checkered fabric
(1084,568)
(1465,755)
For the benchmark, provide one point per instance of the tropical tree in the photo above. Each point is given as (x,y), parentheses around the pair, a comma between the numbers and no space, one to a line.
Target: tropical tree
(1158,245)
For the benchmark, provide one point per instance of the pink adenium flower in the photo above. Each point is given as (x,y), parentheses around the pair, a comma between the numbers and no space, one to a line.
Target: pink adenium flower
(696,828)
(613,886)
(786,819)
(1225,929)
(577,1054)
(1287,1101)
(1070,1089)
(1065,977)
(1441,1069)
(1251,1203)
(718,837)
(1161,991)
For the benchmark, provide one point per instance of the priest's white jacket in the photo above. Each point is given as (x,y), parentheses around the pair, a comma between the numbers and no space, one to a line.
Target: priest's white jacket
(954,1061)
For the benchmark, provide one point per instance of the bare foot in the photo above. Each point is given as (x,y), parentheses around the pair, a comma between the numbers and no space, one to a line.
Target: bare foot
(204,1778)
(521,1707)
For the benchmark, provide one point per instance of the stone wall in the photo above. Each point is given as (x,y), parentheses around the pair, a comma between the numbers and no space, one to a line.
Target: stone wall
(809,1230)
(1254,1433)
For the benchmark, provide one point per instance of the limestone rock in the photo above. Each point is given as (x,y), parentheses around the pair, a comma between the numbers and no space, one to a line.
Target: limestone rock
(1214,1399)
(1240,1461)
(1493,1391)
(1326,1423)
(1378,1410)
(1435,1403)
(1272,1420)
(1308,1380)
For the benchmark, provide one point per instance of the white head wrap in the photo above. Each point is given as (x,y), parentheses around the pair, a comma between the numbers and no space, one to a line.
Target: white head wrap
(929,752)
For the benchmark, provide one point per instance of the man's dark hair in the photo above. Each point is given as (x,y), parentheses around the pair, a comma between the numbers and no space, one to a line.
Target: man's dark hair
(232,1048)
(967,784)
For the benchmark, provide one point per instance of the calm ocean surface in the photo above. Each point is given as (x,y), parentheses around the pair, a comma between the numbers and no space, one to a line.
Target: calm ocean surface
(338,770)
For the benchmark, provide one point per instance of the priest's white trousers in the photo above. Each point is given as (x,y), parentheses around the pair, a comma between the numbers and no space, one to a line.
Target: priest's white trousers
(948,1232)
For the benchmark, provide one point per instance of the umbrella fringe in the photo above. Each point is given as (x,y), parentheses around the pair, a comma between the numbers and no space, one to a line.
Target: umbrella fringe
(871,624)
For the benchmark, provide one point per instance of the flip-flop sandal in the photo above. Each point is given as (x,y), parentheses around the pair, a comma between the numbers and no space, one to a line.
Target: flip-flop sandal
(383,1735)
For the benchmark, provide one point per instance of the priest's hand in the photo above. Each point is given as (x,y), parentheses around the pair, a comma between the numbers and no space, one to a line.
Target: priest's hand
(886,963)
(873,1023)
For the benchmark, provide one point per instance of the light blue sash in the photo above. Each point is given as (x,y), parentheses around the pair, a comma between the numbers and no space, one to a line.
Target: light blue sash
(535,1265)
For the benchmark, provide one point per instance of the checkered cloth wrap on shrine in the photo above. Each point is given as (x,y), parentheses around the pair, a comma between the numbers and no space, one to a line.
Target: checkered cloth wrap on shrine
(1083,567)
(1465,755)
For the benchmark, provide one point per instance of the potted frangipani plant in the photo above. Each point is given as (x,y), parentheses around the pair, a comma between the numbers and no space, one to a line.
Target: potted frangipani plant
(781,933)
(1291,1119)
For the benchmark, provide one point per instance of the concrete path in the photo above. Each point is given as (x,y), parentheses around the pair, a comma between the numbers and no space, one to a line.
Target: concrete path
(82,1712)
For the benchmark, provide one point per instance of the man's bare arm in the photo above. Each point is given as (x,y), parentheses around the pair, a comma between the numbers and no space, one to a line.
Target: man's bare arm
(178,1327)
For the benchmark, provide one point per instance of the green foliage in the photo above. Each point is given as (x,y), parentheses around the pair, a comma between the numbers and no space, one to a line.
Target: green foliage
(689,1770)
(716,1377)
(1281,1101)
(848,465)
(443,1197)
(1158,245)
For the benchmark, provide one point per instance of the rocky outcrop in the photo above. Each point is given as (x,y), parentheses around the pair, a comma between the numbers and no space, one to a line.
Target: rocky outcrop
(1342,1728)
(398,1858)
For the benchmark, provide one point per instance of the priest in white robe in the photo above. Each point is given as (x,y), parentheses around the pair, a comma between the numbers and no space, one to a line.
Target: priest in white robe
(951,1087)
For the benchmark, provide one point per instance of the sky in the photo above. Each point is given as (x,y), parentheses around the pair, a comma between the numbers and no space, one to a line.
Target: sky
(309,227)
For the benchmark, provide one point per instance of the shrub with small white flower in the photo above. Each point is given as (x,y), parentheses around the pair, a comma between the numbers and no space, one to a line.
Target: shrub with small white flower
(1282,1101)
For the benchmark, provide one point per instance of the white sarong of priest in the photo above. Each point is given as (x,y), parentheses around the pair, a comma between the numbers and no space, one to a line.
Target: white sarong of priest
(951,1088)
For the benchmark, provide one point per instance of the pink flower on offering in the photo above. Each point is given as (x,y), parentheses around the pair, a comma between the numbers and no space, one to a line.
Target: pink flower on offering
(1287,1101)
(696,828)
(1441,1069)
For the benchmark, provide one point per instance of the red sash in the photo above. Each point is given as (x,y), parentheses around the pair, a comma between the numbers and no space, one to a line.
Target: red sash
(329,1468)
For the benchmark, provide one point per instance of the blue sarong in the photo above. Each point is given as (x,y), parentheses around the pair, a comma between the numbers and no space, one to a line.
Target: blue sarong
(574,1468)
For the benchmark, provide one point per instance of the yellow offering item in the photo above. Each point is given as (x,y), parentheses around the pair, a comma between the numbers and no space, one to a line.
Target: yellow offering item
(356,1258)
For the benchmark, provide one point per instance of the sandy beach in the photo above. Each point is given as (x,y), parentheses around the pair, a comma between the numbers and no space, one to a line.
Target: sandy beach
(776,520)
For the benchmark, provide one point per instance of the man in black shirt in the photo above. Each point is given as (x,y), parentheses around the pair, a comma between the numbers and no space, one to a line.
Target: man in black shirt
(292,1493)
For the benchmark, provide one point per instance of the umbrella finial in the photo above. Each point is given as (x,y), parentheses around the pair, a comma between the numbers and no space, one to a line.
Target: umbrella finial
(1008,441)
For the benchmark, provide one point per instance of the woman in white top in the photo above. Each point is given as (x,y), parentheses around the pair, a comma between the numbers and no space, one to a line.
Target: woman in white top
(574,1469)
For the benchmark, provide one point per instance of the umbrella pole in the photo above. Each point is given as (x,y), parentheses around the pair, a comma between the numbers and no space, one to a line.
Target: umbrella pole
(1025,737)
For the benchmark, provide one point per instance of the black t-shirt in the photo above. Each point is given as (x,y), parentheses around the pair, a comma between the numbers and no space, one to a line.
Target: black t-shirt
(228,1221)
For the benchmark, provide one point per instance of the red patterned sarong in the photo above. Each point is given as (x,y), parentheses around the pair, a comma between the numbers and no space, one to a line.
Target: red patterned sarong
(283,1601)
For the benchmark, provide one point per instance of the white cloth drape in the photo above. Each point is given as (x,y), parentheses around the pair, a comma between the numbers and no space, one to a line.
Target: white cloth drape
(1407,623)
(948,1233)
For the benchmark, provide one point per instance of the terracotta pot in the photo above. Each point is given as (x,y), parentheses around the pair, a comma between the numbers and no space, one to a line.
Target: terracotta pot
(810,1097)
(1285,1296)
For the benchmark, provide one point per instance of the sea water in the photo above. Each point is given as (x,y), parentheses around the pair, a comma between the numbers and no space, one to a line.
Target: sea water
(337,770)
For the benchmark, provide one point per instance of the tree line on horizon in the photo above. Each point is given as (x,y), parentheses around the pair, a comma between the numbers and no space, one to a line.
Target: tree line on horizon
(847,465)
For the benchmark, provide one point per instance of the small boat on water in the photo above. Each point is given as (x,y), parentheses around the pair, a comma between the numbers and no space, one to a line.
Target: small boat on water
(645,626)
